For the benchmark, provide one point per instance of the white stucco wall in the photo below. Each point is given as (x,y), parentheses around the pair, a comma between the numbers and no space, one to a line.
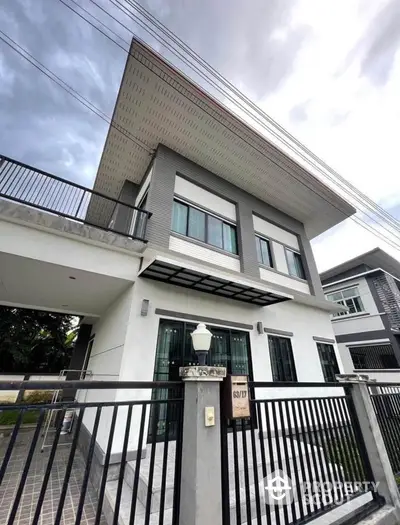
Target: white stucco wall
(384,376)
(274,232)
(352,325)
(54,248)
(346,359)
(204,198)
(283,280)
(105,363)
(139,347)
(204,254)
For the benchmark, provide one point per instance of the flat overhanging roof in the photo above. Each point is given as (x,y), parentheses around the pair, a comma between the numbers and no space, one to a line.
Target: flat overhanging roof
(157,104)
(205,280)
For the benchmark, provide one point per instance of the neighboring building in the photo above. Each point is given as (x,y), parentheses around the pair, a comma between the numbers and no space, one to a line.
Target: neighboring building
(368,333)
(227,243)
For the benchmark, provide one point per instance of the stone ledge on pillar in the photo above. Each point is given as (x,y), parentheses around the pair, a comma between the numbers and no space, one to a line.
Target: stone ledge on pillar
(349,378)
(202,373)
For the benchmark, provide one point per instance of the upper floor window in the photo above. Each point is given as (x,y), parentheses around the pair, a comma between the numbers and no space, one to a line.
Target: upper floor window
(282,360)
(197,224)
(350,298)
(328,360)
(264,253)
(295,264)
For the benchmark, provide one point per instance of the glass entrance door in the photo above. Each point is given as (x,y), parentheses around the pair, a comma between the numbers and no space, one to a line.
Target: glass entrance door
(229,348)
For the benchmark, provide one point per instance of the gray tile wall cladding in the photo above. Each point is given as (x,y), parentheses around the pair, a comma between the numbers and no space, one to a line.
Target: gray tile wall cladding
(389,295)
(161,192)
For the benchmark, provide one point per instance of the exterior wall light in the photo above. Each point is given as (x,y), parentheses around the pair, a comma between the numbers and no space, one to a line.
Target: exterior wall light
(201,339)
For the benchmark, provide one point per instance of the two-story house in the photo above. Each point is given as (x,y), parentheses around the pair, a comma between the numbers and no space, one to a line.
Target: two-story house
(194,217)
(368,332)
(228,239)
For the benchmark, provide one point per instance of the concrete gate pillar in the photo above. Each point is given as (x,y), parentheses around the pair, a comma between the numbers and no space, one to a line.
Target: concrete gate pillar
(373,440)
(201,492)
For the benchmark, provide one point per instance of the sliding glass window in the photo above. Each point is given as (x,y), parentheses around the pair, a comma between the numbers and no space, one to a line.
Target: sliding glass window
(197,224)
(295,264)
(180,218)
(264,252)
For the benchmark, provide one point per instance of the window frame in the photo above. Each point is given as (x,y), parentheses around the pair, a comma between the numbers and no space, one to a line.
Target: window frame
(343,300)
(207,214)
(260,238)
(331,366)
(303,277)
(277,353)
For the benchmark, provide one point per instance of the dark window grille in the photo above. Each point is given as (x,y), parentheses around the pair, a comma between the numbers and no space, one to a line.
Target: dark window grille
(282,360)
(328,361)
(229,348)
(373,357)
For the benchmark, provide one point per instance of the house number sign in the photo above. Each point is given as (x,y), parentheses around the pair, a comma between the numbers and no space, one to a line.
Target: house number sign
(237,404)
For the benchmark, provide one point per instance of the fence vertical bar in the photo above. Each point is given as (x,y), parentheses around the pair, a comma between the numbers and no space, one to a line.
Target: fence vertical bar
(226,518)
(25,471)
(48,469)
(88,467)
(122,466)
(137,466)
(69,468)
(106,467)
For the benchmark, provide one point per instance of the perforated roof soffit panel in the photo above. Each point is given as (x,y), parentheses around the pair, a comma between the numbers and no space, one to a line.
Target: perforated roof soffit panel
(158,105)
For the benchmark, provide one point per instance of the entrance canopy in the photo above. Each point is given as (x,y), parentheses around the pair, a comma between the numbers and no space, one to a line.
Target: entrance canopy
(206,280)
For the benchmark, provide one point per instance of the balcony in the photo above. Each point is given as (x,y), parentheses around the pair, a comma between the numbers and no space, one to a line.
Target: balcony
(36,188)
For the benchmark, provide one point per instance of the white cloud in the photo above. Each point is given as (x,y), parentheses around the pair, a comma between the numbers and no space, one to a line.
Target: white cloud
(342,116)
(327,71)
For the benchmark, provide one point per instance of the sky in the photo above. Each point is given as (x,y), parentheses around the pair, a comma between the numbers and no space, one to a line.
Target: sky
(328,72)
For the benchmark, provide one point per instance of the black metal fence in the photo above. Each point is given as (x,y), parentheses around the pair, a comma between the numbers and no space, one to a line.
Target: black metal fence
(311,444)
(386,401)
(27,185)
(88,459)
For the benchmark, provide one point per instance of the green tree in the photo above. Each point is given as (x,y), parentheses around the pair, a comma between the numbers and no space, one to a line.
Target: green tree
(35,341)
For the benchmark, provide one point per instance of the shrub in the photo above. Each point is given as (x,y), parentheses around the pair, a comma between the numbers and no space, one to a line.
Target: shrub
(9,417)
(35,397)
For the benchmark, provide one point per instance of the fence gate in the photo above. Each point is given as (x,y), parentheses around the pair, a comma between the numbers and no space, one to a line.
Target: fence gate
(308,449)
(91,472)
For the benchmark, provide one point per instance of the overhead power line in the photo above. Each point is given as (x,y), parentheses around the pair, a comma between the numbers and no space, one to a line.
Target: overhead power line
(183,45)
(388,220)
(70,90)
(359,221)
(183,58)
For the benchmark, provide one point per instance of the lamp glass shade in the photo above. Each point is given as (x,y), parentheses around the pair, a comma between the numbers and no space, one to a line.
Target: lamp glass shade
(201,338)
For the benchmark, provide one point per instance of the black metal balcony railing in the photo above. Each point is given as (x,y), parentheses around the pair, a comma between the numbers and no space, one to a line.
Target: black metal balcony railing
(27,185)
